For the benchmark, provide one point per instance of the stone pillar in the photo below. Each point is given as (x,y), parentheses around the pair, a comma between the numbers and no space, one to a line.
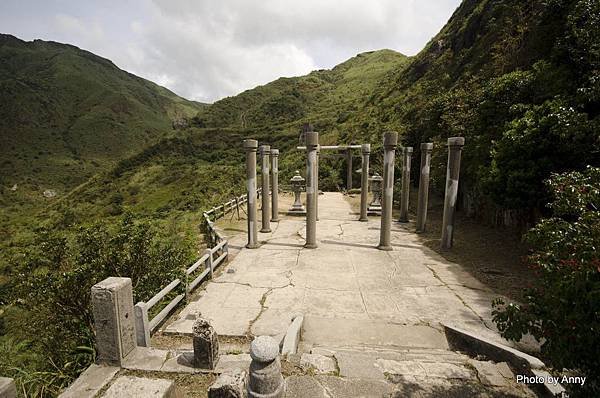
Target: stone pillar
(426,149)
(8,389)
(390,140)
(265,379)
(312,143)
(364,182)
(206,345)
(250,146)
(275,185)
(405,196)
(317,183)
(114,321)
(266,211)
(349,169)
(455,145)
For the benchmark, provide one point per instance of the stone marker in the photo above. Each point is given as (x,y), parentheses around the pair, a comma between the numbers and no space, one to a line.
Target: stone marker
(312,143)
(375,205)
(265,150)
(348,169)
(275,185)
(266,379)
(250,146)
(114,320)
(455,145)
(426,149)
(364,182)
(390,140)
(206,345)
(230,384)
(405,195)
(8,389)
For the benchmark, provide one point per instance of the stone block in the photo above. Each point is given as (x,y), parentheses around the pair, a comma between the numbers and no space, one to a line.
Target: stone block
(229,385)
(133,387)
(114,321)
(8,389)
(206,345)
(319,363)
(89,382)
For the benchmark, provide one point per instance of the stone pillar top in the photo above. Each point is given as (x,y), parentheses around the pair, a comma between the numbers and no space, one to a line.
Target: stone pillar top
(312,139)
(297,177)
(365,148)
(250,145)
(426,146)
(264,149)
(407,149)
(456,141)
(274,152)
(264,349)
(390,139)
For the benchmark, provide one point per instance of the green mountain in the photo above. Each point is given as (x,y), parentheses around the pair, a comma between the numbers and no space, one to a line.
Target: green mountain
(67,114)
(520,80)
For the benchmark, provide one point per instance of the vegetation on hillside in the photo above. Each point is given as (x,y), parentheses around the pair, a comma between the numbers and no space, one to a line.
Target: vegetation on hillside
(520,80)
(562,311)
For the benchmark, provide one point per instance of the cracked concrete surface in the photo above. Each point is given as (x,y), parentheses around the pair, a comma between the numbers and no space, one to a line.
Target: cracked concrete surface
(368,296)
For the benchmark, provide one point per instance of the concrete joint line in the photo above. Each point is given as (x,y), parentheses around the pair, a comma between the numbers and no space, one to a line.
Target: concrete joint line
(458,296)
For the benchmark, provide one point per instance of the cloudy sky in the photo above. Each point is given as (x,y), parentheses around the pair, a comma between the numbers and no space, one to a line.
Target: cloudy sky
(206,50)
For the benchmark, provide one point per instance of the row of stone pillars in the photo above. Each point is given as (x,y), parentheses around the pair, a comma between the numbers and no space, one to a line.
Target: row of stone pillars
(455,145)
(270,204)
(390,143)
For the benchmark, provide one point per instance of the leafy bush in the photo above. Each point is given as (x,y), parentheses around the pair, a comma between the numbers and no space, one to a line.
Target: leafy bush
(563,311)
(50,315)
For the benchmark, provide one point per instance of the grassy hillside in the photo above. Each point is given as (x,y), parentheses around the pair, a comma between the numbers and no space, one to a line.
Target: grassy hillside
(66,114)
(520,81)
(324,96)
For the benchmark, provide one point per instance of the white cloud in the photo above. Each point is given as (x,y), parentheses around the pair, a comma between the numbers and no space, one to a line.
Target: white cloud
(206,50)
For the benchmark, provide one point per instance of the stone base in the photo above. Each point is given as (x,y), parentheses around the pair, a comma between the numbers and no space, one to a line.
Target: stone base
(296,212)
(374,210)
(385,248)
(254,246)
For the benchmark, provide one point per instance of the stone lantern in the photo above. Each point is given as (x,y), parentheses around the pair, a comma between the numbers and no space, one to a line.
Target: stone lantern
(376,183)
(297,187)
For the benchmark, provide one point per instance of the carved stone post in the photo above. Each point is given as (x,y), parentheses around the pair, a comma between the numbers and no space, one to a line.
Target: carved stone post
(265,379)
(114,321)
(250,146)
(206,345)
(266,211)
(275,185)
(455,145)
(312,143)
(390,141)
(404,198)
(426,149)
(349,169)
(364,182)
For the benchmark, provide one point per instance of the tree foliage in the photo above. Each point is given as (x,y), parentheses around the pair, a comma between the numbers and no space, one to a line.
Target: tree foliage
(563,310)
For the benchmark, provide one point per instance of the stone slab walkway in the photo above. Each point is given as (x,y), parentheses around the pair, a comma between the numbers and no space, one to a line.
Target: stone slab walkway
(350,292)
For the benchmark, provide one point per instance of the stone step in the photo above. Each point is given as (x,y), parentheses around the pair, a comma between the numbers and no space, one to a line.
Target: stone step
(334,332)
(130,386)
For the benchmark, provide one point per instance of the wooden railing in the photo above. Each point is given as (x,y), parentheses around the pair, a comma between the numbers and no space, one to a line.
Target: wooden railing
(205,265)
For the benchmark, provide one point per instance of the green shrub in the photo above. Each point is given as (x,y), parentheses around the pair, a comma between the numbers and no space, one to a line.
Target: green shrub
(50,316)
(563,311)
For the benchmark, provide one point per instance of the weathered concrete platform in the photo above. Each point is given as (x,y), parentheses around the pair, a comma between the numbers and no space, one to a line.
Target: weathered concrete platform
(350,292)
